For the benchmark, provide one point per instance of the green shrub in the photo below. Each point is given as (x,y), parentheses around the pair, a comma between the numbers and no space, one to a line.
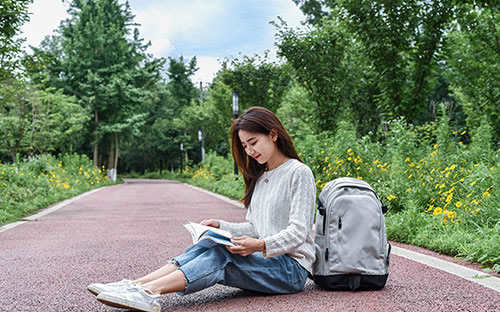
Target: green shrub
(27,186)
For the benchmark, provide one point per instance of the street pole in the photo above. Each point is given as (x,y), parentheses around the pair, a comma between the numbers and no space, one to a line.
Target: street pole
(200,138)
(235,116)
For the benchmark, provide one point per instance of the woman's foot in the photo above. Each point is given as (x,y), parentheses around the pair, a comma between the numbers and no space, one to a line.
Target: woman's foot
(133,298)
(97,288)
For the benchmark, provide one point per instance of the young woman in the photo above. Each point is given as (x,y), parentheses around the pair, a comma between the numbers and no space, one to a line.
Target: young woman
(274,248)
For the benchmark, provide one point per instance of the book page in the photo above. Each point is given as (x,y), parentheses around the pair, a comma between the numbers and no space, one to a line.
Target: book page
(199,232)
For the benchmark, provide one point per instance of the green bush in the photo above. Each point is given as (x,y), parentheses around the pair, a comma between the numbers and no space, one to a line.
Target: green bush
(27,186)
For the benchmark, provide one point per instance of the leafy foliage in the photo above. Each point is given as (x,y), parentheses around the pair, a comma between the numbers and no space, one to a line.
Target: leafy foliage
(27,186)
(13,14)
(36,121)
(473,58)
(257,81)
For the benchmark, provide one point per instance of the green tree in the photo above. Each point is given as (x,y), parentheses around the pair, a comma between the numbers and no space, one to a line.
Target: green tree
(330,64)
(98,59)
(179,83)
(396,43)
(171,119)
(473,63)
(36,121)
(13,14)
(257,81)
(298,113)
(217,108)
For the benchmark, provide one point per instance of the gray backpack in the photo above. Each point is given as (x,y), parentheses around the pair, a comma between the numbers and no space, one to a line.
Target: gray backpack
(352,252)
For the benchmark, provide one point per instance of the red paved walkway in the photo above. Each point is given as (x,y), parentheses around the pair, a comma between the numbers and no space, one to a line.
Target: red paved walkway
(128,230)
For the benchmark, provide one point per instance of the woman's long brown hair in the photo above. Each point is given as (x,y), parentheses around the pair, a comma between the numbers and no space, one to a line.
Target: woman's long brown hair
(257,120)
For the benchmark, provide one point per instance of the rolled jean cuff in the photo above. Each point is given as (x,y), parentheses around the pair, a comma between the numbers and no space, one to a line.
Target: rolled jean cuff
(187,288)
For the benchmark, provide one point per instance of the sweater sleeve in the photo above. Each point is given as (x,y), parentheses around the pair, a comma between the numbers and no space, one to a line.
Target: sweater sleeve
(240,229)
(302,201)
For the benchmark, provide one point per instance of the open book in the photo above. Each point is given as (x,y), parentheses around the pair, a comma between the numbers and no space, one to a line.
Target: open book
(200,232)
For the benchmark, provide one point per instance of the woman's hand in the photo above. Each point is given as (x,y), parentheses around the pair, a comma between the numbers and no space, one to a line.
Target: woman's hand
(211,222)
(246,245)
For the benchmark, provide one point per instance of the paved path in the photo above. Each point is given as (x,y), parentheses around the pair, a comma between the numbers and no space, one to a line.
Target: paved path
(128,230)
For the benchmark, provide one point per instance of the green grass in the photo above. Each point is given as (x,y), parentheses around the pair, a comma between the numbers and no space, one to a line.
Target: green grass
(28,186)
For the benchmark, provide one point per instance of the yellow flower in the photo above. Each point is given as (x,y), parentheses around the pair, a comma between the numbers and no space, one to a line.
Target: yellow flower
(412,165)
(430,207)
(435,146)
(486,194)
(492,168)
(449,197)
(452,167)
(463,132)
(469,195)
(437,211)
(326,159)
(473,183)
(391,197)
(458,204)
(442,185)
(407,159)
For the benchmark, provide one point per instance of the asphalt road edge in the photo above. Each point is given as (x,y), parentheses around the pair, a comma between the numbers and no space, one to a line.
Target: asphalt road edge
(48,210)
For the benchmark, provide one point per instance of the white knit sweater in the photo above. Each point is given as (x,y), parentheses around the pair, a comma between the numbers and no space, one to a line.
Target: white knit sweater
(281,213)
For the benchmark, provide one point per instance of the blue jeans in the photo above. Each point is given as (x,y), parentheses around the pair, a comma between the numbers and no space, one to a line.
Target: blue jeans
(205,265)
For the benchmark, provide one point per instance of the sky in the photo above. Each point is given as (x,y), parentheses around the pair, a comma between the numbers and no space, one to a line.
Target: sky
(211,30)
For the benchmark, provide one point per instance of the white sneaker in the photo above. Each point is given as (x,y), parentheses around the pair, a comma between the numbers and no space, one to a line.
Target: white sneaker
(133,298)
(98,288)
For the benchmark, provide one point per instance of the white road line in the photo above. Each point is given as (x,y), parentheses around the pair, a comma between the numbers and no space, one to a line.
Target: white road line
(472,275)
(475,276)
(47,210)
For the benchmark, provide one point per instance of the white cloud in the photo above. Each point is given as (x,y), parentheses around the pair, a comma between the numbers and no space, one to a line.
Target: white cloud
(210,29)
(44,20)
(208,67)
(161,23)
